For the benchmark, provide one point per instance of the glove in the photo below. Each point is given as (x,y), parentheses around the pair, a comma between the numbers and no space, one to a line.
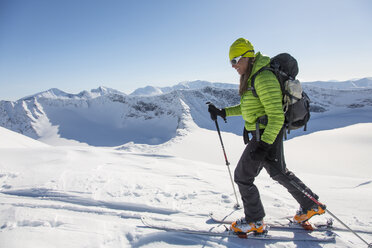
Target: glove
(260,151)
(215,112)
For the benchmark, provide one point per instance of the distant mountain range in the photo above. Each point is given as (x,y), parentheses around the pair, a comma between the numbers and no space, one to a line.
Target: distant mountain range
(364,83)
(189,85)
(152,115)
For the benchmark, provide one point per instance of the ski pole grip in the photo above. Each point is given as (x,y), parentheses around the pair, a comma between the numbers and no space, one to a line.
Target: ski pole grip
(213,116)
(214,112)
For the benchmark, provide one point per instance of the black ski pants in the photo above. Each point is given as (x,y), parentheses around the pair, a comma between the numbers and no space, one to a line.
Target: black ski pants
(247,169)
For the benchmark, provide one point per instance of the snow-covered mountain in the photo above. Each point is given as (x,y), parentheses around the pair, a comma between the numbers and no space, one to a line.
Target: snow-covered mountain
(107,117)
(363,83)
(153,90)
(188,85)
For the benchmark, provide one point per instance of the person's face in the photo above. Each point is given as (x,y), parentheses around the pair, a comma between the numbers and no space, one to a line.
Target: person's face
(242,66)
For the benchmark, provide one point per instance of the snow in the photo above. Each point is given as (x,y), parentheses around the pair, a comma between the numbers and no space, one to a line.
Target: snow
(85,196)
(15,140)
(81,169)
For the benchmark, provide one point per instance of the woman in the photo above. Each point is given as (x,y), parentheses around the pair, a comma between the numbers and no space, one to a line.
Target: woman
(265,150)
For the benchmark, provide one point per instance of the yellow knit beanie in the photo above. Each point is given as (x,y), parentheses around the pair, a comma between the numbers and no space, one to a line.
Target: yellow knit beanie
(241,46)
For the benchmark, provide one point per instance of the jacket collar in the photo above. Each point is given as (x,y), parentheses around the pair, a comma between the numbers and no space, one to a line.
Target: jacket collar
(260,61)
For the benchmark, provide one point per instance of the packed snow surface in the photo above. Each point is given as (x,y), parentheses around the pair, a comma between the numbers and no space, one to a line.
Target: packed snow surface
(84,196)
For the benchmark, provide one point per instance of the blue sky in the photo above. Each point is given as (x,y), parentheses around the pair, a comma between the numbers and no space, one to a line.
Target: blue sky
(77,45)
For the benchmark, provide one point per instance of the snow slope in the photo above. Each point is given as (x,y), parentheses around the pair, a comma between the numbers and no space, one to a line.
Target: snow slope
(84,196)
(15,140)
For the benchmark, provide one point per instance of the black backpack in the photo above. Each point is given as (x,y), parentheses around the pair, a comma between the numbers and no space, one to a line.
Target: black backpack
(296,103)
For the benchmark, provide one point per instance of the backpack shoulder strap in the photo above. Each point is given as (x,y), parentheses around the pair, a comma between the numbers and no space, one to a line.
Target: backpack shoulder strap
(254,77)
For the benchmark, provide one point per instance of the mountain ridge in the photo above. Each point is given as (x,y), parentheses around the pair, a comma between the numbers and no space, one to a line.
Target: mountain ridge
(108,117)
(153,90)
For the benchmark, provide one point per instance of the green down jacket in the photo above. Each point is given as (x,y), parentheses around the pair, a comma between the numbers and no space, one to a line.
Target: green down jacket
(268,102)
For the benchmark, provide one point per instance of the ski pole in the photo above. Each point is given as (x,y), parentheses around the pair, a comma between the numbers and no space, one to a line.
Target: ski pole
(298,187)
(227,164)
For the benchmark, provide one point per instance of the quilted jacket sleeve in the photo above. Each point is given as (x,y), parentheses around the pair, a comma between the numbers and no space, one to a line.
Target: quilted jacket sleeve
(233,110)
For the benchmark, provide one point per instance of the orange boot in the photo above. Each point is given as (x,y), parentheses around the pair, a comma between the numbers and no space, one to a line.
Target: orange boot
(242,226)
(304,215)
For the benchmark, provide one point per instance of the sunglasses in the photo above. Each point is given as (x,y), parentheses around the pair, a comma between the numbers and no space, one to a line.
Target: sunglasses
(235,60)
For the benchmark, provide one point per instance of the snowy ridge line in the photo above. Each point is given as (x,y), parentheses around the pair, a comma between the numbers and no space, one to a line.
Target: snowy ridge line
(47,194)
(363,83)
